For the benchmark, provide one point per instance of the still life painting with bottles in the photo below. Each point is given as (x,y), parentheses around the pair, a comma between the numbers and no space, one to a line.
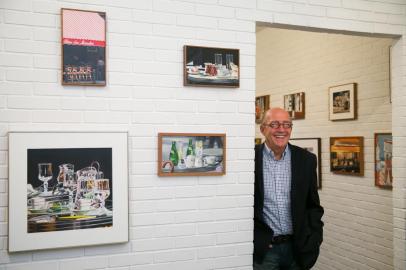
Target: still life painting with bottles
(69,189)
(191,154)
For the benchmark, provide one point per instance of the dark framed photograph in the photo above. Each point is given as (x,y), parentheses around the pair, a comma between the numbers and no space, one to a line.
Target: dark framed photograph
(347,155)
(208,66)
(343,102)
(63,189)
(83,47)
(294,104)
(261,106)
(313,145)
(191,154)
(383,160)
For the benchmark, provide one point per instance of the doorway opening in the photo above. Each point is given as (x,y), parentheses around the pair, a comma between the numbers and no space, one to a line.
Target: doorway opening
(293,60)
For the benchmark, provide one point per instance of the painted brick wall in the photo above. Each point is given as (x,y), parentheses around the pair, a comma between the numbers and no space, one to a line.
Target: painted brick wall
(177,223)
(358,216)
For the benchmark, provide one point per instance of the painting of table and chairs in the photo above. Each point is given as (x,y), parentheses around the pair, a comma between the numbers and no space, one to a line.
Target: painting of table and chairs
(83,47)
(69,189)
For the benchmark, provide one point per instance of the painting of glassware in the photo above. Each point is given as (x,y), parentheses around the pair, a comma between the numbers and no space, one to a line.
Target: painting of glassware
(191,154)
(69,189)
(207,66)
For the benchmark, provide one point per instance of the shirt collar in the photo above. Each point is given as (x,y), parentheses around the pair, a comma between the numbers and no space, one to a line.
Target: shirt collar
(269,151)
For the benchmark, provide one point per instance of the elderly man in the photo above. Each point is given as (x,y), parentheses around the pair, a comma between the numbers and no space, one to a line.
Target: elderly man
(288,230)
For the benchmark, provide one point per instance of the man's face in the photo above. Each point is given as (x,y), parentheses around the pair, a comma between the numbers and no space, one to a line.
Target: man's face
(277,128)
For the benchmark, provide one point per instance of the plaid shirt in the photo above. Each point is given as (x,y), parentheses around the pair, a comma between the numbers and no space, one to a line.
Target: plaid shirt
(277,183)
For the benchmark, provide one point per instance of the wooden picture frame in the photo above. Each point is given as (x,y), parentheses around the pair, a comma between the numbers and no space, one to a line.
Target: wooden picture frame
(85,200)
(294,104)
(258,141)
(191,154)
(343,102)
(347,155)
(383,160)
(83,39)
(261,106)
(313,145)
(210,66)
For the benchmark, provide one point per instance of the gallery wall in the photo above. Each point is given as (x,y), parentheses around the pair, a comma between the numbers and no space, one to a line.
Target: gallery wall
(358,215)
(192,222)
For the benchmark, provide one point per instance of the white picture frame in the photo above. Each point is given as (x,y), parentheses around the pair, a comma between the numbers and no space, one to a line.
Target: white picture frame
(21,147)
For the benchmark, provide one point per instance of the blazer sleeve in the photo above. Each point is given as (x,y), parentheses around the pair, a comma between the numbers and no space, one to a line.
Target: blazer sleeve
(313,237)
(315,210)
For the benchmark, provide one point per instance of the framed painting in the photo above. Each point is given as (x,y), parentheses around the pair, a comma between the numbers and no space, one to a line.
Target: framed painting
(294,104)
(67,189)
(189,154)
(313,145)
(83,47)
(343,102)
(347,155)
(383,160)
(208,66)
(261,106)
(258,141)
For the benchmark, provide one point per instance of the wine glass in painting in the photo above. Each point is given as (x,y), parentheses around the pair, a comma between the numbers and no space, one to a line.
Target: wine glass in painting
(45,174)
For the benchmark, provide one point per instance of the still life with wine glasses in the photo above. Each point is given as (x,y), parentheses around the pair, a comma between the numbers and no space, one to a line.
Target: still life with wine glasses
(191,154)
(208,66)
(66,185)
(61,189)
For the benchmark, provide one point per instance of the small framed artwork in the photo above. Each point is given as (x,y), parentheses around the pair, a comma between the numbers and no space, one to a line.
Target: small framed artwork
(343,102)
(294,104)
(313,145)
(261,106)
(383,160)
(208,66)
(191,154)
(83,47)
(347,155)
(258,141)
(67,189)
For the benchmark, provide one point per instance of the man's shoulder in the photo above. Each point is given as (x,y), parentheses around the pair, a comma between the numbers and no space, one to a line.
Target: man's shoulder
(258,147)
(296,150)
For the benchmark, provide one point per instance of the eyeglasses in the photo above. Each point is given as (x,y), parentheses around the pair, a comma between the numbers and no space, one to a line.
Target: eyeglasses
(276,124)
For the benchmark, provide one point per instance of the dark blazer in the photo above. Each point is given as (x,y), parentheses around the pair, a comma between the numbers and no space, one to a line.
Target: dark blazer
(305,207)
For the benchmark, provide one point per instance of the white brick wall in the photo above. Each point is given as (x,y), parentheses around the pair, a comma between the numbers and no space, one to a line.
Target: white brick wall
(190,222)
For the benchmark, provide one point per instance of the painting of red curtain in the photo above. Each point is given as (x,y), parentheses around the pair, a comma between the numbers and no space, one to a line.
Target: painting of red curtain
(83,47)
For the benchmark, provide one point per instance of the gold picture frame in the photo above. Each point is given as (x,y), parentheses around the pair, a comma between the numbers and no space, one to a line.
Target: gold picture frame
(347,155)
(261,106)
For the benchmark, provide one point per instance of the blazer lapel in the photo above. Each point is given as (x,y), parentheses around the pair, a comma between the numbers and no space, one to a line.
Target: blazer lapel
(260,177)
(295,169)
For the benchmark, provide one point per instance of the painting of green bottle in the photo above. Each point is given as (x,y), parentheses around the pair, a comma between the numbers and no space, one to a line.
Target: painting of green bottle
(191,154)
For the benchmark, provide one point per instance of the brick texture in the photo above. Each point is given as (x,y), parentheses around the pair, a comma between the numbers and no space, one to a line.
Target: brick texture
(205,223)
